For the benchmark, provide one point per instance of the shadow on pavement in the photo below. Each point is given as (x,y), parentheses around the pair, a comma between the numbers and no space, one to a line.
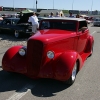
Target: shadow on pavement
(42,87)
(48,88)
(10,37)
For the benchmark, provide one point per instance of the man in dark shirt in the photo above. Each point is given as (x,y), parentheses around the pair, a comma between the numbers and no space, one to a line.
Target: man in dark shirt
(20,15)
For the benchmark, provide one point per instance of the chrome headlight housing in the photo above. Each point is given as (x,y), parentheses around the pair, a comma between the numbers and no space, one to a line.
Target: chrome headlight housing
(22,51)
(50,54)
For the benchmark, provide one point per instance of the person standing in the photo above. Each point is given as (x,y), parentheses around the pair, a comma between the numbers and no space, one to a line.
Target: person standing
(20,15)
(34,20)
(57,14)
(51,14)
(77,16)
(71,15)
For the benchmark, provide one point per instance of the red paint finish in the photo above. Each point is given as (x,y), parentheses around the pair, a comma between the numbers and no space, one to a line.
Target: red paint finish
(13,62)
(68,46)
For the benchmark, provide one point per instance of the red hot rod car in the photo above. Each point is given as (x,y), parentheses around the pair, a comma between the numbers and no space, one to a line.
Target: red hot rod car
(57,51)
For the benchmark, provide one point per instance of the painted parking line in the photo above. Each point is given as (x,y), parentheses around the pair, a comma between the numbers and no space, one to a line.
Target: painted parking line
(93,32)
(22,92)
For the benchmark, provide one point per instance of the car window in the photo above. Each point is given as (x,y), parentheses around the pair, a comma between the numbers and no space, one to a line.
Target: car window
(62,25)
(7,22)
(14,21)
(82,24)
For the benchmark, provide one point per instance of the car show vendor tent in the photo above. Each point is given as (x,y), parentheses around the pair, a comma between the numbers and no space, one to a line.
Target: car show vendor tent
(27,11)
(47,12)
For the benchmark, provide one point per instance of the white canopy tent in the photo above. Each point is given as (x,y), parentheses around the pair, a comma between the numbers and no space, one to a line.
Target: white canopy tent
(47,12)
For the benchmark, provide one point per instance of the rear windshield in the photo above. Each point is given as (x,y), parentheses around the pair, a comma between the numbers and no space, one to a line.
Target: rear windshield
(58,24)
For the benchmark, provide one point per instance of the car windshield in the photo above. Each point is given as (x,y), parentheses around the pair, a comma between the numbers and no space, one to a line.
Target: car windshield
(97,19)
(61,24)
(14,21)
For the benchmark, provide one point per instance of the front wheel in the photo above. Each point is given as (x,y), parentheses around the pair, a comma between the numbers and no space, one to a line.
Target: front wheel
(73,75)
(91,50)
(16,34)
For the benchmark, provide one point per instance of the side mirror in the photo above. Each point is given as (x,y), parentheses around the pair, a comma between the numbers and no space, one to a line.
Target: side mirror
(83,29)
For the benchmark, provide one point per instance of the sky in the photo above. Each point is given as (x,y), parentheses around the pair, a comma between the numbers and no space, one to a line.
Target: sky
(53,4)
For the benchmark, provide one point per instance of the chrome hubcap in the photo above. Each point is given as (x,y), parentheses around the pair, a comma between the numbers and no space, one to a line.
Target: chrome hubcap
(16,34)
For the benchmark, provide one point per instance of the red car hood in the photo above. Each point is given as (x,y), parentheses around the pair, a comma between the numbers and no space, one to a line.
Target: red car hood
(53,35)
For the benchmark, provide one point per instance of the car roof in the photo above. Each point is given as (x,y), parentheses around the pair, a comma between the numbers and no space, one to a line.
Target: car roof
(65,18)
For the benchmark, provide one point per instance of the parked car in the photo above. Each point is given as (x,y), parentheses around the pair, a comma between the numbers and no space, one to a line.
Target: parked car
(57,51)
(8,25)
(88,18)
(18,26)
(89,22)
(96,22)
(1,19)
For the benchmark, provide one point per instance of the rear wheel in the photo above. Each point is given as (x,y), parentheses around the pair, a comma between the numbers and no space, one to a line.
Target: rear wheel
(91,51)
(16,34)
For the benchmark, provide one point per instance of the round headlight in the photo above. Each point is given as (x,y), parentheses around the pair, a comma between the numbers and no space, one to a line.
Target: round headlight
(50,54)
(22,52)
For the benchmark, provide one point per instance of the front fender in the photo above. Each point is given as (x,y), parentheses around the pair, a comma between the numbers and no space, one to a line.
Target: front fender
(13,62)
(65,64)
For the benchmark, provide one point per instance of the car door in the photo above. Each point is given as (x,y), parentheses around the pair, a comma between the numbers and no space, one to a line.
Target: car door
(2,25)
(11,26)
(83,32)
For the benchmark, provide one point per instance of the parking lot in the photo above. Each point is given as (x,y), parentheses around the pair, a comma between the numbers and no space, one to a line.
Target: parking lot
(7,40)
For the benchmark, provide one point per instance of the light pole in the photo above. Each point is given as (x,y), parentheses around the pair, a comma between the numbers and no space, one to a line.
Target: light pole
(91,6)
(53,4)
(72,4)
(36,5)
(13,5)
